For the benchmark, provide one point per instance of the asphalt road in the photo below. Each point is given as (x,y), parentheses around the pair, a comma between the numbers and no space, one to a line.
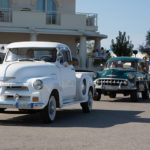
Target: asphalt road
(114,124)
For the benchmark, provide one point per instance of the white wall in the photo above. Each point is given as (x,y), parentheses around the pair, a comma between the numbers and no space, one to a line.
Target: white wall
(25,19)
(19,4)
(66,6)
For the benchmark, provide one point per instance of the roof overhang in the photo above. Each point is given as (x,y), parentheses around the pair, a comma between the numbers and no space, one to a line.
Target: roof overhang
(88,34)
(95,35)
(39,31)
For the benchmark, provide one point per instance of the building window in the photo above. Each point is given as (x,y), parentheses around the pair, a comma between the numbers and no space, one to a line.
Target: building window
(52,16)
(40,5)
(4,4)
(5,12)
(51,6)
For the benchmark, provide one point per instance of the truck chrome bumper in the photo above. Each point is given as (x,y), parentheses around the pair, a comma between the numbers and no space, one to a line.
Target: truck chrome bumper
(20,105)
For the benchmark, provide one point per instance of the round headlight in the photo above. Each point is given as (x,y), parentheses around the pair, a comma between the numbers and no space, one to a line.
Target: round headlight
(131,76)
(38,84)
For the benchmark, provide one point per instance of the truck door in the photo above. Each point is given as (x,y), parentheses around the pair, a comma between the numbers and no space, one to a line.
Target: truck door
(68,78)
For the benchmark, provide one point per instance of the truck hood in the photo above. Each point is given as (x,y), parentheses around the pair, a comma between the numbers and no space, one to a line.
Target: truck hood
(21,71)
(115,73)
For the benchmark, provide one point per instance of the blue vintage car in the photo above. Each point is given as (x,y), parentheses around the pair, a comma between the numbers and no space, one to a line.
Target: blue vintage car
(126,75)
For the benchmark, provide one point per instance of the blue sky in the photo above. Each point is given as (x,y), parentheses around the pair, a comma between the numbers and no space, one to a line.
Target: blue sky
(131,16)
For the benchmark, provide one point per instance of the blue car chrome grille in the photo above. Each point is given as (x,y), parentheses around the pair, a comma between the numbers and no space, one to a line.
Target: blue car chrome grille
(113,82)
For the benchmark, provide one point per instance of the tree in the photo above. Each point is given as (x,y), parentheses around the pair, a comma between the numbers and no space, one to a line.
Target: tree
(146,48)
(123,46)
(148,39)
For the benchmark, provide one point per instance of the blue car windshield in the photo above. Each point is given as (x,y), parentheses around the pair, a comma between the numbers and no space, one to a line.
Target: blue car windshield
(119,64)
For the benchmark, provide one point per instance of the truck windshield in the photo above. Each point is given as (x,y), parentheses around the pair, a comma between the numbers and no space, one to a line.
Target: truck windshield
(30,54)
(119,64)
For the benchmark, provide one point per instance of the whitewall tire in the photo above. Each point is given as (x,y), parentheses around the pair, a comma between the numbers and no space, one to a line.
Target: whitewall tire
(49,113)
(87,106)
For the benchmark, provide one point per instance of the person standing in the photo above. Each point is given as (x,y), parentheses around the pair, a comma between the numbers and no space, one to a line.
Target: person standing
(100,52)
(96,53)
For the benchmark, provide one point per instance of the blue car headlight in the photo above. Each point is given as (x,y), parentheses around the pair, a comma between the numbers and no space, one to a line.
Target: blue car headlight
(131,76)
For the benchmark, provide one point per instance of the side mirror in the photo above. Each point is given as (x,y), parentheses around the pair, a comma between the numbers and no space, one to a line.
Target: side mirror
(65,64)
(60,57)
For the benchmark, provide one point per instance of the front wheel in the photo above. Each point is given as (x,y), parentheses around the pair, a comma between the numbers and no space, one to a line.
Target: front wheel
(49,113)
(97,95)
(112,95)
(87,106)
(145,94)
(2,110)
(134,96)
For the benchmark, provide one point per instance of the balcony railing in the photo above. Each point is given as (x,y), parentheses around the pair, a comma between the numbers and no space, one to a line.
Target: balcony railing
(79,20)
(91,19)
(54,18)
(5,15)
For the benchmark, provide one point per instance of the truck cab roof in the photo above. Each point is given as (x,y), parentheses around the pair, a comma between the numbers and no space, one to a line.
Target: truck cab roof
(37,44)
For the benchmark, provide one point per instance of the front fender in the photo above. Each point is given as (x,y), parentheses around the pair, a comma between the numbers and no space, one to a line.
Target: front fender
(49,85)
(90,82)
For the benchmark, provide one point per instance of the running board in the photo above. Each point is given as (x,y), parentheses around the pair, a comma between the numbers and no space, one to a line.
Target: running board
(73,102)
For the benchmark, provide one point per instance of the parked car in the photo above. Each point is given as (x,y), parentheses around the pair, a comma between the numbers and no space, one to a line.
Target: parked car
(40,76)
(125,75)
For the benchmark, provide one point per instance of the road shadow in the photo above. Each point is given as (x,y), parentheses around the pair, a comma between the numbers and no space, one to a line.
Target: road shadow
(75,118)
(128,100)
(125,100)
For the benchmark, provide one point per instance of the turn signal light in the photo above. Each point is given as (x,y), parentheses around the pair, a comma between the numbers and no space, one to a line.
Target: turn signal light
(35,99)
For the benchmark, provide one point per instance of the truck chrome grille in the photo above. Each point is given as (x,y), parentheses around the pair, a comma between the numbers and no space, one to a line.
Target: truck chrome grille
(21,98)
(22,88)
(15,92)
(112,82)
(19,88)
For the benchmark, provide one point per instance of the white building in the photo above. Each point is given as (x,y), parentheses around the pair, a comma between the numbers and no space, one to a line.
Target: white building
(48,20)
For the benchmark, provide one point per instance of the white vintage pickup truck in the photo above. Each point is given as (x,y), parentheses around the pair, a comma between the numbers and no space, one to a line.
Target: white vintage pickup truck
(40,76)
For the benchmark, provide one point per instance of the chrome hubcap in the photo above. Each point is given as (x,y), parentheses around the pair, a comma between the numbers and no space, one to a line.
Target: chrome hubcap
(52,108)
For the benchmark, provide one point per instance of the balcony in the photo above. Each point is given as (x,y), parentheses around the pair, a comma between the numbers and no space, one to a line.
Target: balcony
(56,20)
(91,19)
